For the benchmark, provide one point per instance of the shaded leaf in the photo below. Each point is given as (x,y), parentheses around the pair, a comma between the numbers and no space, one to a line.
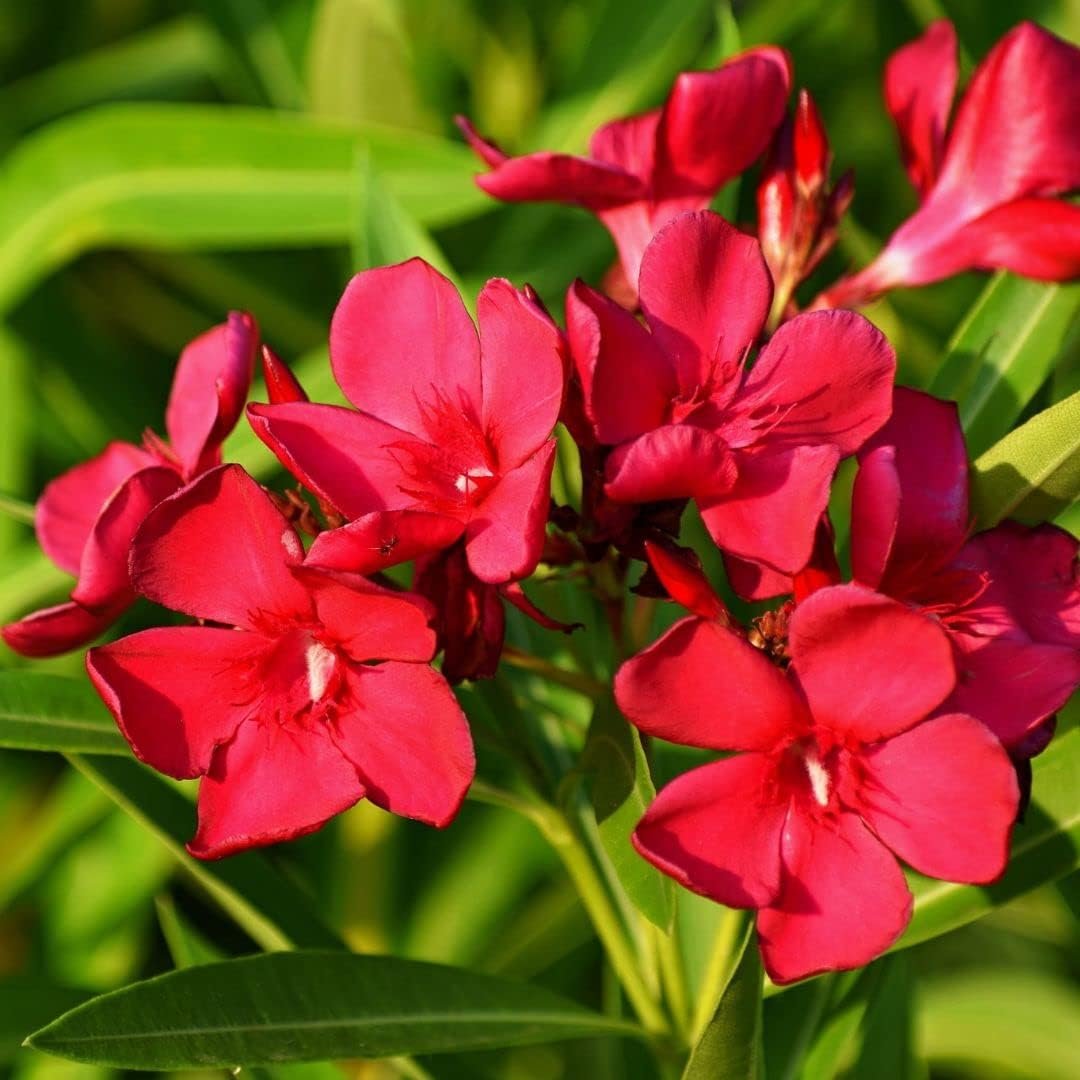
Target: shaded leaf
(49,712)
(312,1006)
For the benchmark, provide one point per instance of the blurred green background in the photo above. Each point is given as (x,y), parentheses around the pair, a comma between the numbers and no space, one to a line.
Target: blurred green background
(166,161)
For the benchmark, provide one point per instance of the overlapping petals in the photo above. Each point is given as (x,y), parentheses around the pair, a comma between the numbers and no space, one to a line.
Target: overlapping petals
(445,423)
(311,693)
(86,518)
(742,440)
(989,185)
(643,170)
(843,772)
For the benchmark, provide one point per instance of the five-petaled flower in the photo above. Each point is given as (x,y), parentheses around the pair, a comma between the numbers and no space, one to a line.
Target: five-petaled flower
(987,182)
(444,423)
(686,415)
(85,518)
(643,170)
(310,691)
(839,772)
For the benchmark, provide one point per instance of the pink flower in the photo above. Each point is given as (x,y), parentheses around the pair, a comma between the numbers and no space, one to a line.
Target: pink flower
(86,518)
(310,691)
(643,170)
(839,774)
(444,423)
(1009,598)
(687,417)
(988,183)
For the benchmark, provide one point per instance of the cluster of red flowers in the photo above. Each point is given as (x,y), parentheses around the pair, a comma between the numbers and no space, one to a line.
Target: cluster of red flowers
(884,717)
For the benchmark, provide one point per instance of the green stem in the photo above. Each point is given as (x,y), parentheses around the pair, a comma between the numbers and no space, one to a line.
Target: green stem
(16,508)
(673,976)
(575,680)
(594,896)
(729,934)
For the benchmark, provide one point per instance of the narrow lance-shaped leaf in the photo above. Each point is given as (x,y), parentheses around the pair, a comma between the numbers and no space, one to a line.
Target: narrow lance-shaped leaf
(312,1006)
(731,1045)
(1034,472)
(621,789)
(1003,352)
(49,712)
(182,177)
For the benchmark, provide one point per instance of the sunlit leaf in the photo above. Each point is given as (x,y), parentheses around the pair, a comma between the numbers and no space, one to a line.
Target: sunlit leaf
(48,712)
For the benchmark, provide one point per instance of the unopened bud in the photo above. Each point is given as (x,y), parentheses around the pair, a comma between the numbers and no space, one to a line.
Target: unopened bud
(282,386)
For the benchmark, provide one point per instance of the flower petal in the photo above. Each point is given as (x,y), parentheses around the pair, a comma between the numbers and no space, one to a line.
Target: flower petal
(178,692)
(343,456)
(701,684)
(754,580)
(104,581)
(369,621)
(382,539)
(522,372)
(628,144)
(931,471)
(209,390)
(705,292)
(70,504)
(943,796)
(825,376)
(676,461)
(870,667)
(875,514)
(409,740)
(771,513)
(505,538)
(565,178)
(843,900)
(716,830)
(1012,685)
(920,81)
(274,781)
(681,574)
(715,124)
(626,378)
(219,549)
(56,630)
(1015,129)
(401,336)
(1033,582)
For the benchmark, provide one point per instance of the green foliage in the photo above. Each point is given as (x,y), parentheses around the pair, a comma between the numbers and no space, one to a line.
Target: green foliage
(312,1006)
(42,712)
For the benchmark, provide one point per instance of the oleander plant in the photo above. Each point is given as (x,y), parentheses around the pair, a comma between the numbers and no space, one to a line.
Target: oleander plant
(540,540)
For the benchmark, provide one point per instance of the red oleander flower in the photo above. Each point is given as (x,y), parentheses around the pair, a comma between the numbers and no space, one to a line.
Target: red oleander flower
(86,518)
(688,417)
(310,691)
(988,183)
(444,423)
(839,774)
(1008,597)
(643,170)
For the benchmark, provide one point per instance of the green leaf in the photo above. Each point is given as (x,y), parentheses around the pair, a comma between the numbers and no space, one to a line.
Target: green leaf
(1003,352)
(27,1002)
(186,945)
(385,232)
(1007,1023)
(274,911)
(888,1027)
(1034,472)
(621,790)
(182,177)
(49,712)
(1045,847)
(731,1045)
(312,1006)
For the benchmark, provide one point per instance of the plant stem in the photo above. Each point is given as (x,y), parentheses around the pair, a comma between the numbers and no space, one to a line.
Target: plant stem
(575,680)
(562,837)
(17,508)
(673,975)
(729,933)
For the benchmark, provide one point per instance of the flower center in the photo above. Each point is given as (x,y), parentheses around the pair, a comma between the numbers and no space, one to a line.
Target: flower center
(320,663)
